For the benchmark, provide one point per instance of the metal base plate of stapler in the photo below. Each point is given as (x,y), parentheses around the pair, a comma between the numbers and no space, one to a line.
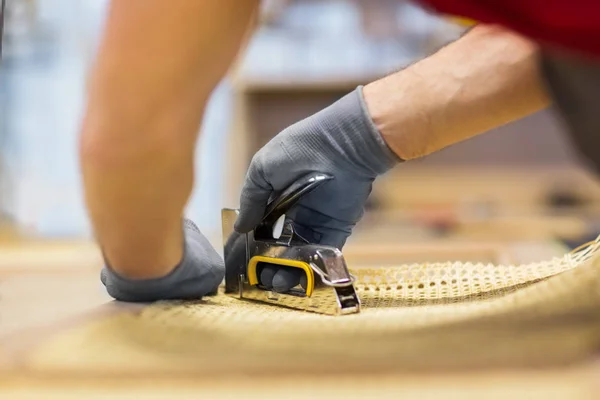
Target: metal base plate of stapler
(329,286)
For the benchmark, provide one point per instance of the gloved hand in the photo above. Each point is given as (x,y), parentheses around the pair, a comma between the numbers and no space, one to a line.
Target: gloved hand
(199,273)
(340,140)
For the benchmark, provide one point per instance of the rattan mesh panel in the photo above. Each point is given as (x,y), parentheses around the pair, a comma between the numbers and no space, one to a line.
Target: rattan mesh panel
(414,316)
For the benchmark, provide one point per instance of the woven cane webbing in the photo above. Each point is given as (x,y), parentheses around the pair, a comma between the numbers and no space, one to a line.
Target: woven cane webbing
(413,317)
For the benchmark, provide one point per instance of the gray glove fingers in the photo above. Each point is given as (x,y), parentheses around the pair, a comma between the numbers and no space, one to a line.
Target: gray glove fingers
(335,239)
(342,197)
(303,281)
(267,274)
(199,274)
(253,201)
(281,279)
(324,236)
(287,278)
(201,254)
(328,216)
(321,229)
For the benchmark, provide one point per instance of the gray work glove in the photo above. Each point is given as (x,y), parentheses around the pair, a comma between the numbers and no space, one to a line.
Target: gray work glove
(340,140)
(199,274)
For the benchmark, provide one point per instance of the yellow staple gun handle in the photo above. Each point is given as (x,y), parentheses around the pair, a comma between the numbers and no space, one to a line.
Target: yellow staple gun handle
(253,277)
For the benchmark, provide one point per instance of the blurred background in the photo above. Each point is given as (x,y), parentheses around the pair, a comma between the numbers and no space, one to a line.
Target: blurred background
(523,182)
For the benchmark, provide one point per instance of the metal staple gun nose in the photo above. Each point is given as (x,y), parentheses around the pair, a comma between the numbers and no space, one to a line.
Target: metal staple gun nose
(329,287)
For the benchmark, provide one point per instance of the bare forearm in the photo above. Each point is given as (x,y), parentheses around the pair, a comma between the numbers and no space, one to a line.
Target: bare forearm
(486,79)
(157,66)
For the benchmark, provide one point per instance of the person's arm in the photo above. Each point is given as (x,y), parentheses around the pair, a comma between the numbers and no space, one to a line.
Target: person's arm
(487,78)
(157,65)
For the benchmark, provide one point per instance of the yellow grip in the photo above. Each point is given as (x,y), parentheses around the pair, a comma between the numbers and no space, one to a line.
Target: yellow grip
(253,277)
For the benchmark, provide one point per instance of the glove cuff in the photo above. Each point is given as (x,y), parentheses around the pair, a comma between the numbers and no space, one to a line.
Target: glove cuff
(352,132)
(384,157)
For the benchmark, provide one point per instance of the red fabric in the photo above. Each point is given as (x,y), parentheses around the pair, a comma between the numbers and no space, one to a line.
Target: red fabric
(568,24)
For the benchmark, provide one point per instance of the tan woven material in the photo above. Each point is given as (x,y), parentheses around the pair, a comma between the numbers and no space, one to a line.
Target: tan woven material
(413,317)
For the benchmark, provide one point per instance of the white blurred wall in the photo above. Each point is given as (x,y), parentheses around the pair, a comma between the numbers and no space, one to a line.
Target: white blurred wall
(43,99)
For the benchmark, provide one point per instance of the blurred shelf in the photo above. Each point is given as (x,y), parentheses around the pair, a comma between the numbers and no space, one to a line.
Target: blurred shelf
(524,189)
(371,248)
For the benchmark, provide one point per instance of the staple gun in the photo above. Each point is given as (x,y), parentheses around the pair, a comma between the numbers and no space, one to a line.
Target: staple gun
(328,287)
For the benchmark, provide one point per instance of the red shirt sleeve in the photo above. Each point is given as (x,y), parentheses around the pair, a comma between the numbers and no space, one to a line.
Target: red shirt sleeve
(569,24)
